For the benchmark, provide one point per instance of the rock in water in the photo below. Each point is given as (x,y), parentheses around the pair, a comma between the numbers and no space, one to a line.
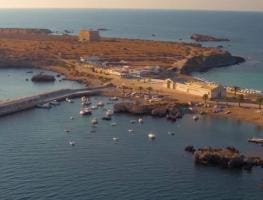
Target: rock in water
(43,78)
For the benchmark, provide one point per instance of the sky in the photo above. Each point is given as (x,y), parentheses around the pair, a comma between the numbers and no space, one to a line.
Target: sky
(143,4)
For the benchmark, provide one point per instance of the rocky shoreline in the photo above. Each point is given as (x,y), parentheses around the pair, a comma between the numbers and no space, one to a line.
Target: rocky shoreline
(207,38)
(169,110)
(227,158)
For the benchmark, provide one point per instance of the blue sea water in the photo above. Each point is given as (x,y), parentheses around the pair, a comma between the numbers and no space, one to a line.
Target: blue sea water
(37,161)
(244,29)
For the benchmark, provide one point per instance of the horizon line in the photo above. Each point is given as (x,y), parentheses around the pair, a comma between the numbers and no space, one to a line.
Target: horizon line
(97,8)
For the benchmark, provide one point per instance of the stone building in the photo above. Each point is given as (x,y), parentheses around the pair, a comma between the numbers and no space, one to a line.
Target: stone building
(89,36)
(213,91)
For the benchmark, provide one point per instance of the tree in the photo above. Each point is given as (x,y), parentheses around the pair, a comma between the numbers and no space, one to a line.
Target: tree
(240,99)
(259,101)
(236,88)
(149,90)
(205,98)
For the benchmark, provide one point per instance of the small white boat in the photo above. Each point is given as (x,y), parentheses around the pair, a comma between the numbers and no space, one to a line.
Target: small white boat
(114,124)
(94,121)
(55,103)
(151,136)
(131,131)
(94,107)
(72,143)
(195,117)
(109,113)
(140,120)
(114,98)
(71,118)
(115,139)
(85,111)
(69,100)
(44,106)
(66,130)
(83,99)
(256,140)
(100,104)
(171,133)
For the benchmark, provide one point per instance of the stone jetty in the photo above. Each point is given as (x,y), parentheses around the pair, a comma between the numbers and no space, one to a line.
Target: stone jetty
(20,104)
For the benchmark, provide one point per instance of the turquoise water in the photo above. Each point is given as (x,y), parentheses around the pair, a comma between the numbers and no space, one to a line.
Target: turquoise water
(244,29)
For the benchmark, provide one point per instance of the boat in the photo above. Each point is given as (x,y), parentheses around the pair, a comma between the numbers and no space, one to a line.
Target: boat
(44,106)
(140,120)
(151,136)
(69,100)
(131,131)
(71,118)
(171,133)
(94,107)
(72,143)
(115,139)
(195,117)
(85,111)
(85,101)
(109,113)
(256,140)
(133,121)
(114,124)
(100,104)
(107,118)
(66,130)
(114,98)
(94,121)
(54,103)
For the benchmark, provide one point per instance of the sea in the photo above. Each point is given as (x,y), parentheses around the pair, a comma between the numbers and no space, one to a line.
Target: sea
(37,161)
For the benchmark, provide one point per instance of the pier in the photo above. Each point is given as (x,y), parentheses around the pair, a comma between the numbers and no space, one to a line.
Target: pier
(20,104)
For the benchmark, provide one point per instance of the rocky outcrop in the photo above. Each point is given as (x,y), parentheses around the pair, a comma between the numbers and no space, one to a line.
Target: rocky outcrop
(43,78)
(203,63)
(170,111)
(207,38)
(229,158)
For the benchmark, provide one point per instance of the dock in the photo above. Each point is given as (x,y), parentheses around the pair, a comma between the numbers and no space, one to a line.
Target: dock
(20,104)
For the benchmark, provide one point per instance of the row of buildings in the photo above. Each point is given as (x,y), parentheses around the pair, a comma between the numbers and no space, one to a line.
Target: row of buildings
(214,91)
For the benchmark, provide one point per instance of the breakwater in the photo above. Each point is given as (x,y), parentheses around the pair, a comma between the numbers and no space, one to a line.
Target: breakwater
(20,104)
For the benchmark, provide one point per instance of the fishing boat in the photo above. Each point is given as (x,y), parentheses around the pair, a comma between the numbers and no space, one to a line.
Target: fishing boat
(256,140)
(109,113)
(54,103)
(85,111)
(100,104)
(171,133)
(69,100)
(72,143)
(94,121)
(140,120)
(94,107)
(115,139)
(195,117)
(151,136)
(131,131)
(114,124)
(44,106)
(107,118)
